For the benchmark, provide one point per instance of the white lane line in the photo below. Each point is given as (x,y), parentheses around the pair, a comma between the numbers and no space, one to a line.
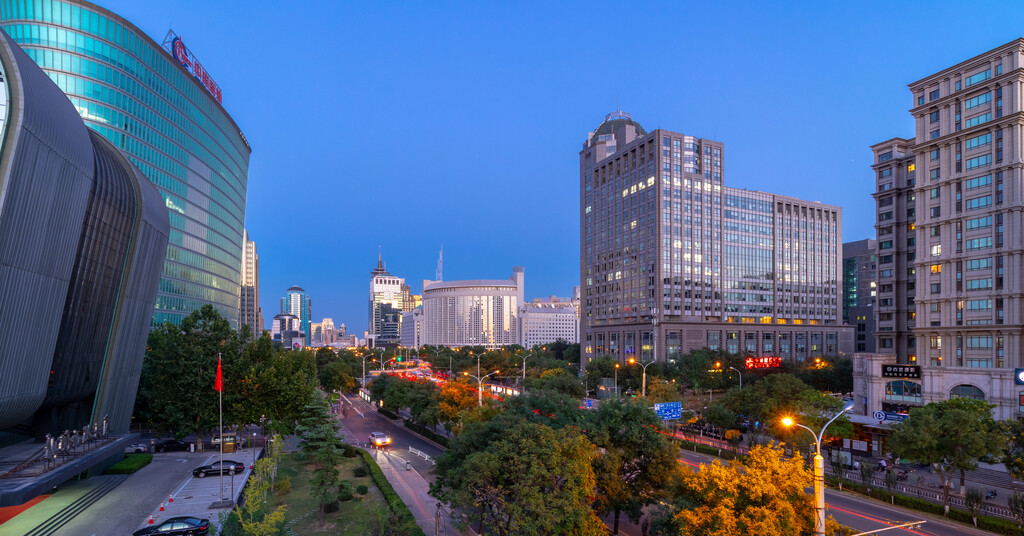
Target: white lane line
(206,462)
(353,406)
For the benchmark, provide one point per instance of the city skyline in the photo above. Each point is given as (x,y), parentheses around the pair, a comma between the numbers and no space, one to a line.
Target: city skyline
(434,75)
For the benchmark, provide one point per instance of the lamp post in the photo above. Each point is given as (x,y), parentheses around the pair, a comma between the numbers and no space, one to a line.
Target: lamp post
(523,357)
(819,471)
(741,376)
(643,389)
(363,385)
(480,386)
(616,380)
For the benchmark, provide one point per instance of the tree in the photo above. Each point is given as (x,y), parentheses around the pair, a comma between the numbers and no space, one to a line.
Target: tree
(973,501)
(455,400)
(659,391)
(1016,504)
(255,516)
(951,435)
(530,479)
(176,392)
(1013,453)
(559,381)
(719,417)
(637,461)
(765,495)
(320,441)
(890,483)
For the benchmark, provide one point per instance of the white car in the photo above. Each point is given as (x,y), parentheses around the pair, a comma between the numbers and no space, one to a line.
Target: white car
(380,439)
(136,448)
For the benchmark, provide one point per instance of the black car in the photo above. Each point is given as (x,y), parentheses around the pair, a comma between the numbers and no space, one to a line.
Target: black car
(170,445)
(215,468)
(178,526)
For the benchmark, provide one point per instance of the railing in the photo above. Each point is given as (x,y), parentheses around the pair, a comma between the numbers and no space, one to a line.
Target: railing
(929,493)
(423,455)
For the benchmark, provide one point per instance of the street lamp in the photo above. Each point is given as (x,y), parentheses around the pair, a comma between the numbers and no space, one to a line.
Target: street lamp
(819,470)
(523,357)
(480,386)
(363,385)
(616,380)
(643,390)
(741,376)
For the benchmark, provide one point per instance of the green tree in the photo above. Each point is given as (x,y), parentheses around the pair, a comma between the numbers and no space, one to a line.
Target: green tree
(637,462)
(320,441)
(530,479)
(765,494)
(951,435)
(719,417)
(557,380)
(974,501)
(659,391)
(176,393)
(1016,504)
(255,515)
(1013,453)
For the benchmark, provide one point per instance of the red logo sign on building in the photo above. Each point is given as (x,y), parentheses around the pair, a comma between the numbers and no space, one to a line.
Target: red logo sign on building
(174,45)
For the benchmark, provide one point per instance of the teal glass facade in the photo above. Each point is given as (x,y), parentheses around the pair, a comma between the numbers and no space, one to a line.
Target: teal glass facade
(134,93)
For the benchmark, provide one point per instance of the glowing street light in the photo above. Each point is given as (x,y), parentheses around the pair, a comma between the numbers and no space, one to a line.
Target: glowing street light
(643,389)
(480,386)
(819,470)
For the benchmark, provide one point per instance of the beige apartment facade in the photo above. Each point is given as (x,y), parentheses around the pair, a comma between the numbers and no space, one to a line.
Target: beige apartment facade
(672,260)
(958,298)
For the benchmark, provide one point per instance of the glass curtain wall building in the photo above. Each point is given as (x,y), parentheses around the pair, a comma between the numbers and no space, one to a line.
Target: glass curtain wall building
(144,101)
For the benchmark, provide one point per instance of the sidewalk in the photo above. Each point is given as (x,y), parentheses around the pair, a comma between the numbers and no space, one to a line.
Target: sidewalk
(413,489)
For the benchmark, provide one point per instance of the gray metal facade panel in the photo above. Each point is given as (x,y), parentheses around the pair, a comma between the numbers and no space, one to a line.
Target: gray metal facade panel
(115,397)
(46,161)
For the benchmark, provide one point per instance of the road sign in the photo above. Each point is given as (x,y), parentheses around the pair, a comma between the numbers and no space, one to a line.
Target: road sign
(669,410)
(889,416)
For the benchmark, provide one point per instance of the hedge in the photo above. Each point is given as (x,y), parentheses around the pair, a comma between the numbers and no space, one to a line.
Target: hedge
(398,507)
(426,432)
(989,523)
(387,413)
(130,464)
(725,454)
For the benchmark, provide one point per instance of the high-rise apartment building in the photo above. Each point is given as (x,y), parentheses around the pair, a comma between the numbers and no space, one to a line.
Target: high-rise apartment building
(157,103)
(672,260)
(389,297)
(250,313)
(951,209)
(859,289)
(297,302)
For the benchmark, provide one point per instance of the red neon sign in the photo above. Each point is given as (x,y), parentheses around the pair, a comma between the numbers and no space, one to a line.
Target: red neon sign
(764,362)
(177,48)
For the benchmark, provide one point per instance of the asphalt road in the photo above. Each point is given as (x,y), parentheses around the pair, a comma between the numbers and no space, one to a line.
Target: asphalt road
(361,420)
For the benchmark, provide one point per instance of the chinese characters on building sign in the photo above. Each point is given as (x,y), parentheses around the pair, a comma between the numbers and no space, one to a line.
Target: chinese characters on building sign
(174,45)
(901,371)
(764,362)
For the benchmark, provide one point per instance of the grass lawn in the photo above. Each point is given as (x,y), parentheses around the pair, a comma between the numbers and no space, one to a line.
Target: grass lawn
(352,518)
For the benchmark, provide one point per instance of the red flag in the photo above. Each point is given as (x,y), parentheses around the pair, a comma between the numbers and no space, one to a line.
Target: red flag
(218,384)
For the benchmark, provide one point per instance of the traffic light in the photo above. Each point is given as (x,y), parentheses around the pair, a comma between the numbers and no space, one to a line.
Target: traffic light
(399,359)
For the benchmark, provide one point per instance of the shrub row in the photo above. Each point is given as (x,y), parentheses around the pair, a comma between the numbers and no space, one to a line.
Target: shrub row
(398,507)
(426,432)
(989,523)
(130,464)
(725,454)
(387,413)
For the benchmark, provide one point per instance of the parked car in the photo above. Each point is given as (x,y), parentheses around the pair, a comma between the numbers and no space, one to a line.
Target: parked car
(230,467)
(170,445)
(227,437)
(136,448)
(178,526)
(380,439)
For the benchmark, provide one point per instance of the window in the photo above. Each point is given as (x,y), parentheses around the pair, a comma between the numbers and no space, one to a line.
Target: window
(885,216)
(936,268)
(979,202)
(934,174)
(979,141)
(967,391)
(979,243)
(936,250)
(934,134)
(936,212)
(934,231)
(934,193)
(974,121)
(978,264)
(934,94)
(920,100)
(934,154)
(979,223)
(979,161)
(885,157)
(979,305)
(975,78)
(903,391)
(936,288)
(882,173)
(979,284)
(978,182)
(886,244)
(974,102)
(935,342)
(934,117)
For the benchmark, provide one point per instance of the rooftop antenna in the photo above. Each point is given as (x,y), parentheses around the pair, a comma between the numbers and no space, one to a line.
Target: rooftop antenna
(440,258)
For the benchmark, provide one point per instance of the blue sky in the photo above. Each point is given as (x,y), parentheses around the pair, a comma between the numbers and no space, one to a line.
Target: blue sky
(412,125)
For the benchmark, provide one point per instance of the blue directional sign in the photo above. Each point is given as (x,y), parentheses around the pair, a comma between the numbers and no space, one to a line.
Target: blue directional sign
(669,410)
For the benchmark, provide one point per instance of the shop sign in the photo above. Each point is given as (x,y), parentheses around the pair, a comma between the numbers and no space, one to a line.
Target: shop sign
(901,371)
(1018,376)
(889,416)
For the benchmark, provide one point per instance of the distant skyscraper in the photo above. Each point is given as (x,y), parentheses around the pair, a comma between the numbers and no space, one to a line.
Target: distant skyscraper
(389,297)
(298,303)
(673,260)
(859,291)
(250,312)
(286,331)
(478,312)
(323,333)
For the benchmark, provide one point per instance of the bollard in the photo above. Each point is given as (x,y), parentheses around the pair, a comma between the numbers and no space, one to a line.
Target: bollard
(150,522)
(408,466)
(170,498)
(161,507)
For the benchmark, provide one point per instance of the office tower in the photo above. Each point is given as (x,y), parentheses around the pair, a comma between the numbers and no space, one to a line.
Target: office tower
(543,325)
(950,209)
(296,302)
(475,312)
(672,260)
(859,269)
(322,333)
(286,331)
(389,298)
(250,312)
(158,104)
(82,236)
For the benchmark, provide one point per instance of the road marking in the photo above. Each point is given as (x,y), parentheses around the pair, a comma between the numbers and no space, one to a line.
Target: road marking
(869,518)
(207,462)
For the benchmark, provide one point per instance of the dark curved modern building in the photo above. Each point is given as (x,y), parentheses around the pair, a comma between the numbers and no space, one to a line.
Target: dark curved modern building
(82,241)
(164,111)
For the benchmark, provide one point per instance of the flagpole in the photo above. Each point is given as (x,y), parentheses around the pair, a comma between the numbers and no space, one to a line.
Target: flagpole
(220,393)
